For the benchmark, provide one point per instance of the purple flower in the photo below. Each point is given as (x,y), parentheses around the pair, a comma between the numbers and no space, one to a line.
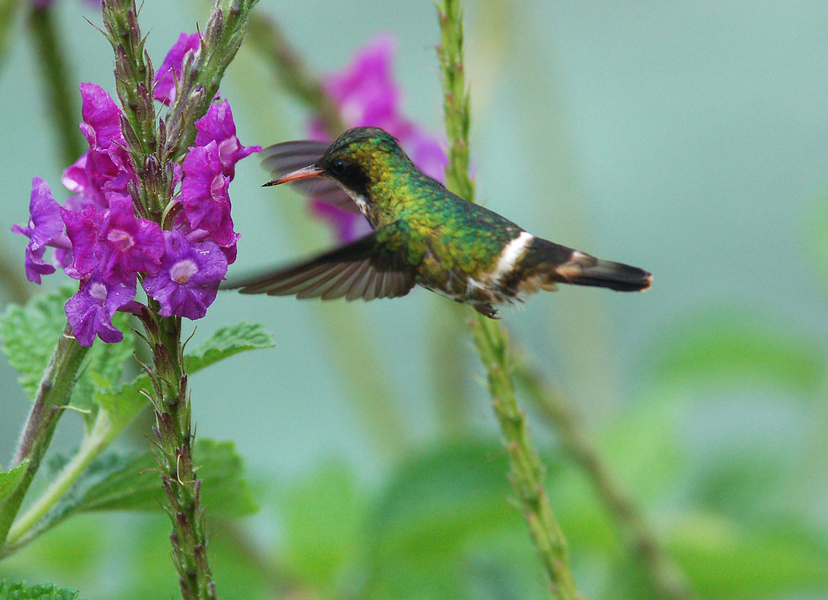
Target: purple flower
(189,276)
(106,168)
(128,244)
(90,310)
(366,94)
(45,228)
(82,228)
(218,126)
(170,71)
(204,194)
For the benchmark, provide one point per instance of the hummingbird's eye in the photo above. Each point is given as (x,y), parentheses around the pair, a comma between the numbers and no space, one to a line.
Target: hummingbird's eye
(338,166)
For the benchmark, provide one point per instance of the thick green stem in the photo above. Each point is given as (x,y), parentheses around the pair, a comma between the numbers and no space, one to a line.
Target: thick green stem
(174,451)
(52,396)
(527,470)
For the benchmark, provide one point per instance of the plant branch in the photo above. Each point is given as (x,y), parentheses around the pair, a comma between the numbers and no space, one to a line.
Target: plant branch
(527,471)
(52,396)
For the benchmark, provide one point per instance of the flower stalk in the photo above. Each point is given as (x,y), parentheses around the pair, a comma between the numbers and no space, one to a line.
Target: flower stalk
(188,87)
(527,471)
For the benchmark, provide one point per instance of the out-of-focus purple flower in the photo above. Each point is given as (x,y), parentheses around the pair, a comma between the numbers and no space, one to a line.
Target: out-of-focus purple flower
(45,227)
(170,71)
(218,126)
(90,310)
(189,276)
(128,244)
(205,196)
(366,95)
(106,168)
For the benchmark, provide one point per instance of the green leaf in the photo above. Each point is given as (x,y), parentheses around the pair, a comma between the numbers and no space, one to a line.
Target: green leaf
(226,342)
(731,344)
(439,498)
(434,526)
(726,560)
(20,591)
(127,482)
(9,480)
(124,402)
(104,366)
(30,335)
(322,520)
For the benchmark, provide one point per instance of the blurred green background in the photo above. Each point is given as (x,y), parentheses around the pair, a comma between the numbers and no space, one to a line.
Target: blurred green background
(685,138)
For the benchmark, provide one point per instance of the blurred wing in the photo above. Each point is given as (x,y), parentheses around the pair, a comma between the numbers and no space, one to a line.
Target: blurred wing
(362,269)
(283,158)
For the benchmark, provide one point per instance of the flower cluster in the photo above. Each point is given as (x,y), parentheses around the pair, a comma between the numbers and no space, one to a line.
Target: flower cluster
(366,95)
(99,240)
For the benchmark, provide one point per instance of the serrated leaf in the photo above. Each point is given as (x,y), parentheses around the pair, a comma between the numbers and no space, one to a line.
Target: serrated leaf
(123,402)
(18,590)
(128,482)
(30,335)
(728,344)
(226,342)
(104,365)
(10,479)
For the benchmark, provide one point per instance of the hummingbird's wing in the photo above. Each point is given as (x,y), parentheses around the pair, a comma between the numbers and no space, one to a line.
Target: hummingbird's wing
(365,268)
(283,158)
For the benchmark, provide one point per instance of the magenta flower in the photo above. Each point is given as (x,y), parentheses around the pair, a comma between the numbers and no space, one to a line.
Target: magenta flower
(170,71)
(204,194)
(106,246)
(90,310)
(128,245)
(218,126)
(189,276)
(106,168)
(366,95)
(82,228)
(45,228)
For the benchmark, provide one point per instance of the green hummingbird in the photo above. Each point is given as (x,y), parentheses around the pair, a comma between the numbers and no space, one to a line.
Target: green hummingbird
(422,234)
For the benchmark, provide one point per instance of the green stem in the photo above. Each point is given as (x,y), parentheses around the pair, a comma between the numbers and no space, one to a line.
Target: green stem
(98,439)
(661,574)
(527,470)
(527,476)
(52,396)
(62,93)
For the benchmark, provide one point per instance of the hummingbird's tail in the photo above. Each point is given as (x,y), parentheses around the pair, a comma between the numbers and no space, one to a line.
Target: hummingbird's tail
(550,263)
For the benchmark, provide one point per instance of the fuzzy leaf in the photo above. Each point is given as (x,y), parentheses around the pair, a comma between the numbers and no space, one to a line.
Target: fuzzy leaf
(128,482)
(226,342)
(10,479)
(30,335)
(20,591)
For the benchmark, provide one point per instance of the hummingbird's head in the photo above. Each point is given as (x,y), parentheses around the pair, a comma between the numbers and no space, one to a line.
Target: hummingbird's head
(357,160)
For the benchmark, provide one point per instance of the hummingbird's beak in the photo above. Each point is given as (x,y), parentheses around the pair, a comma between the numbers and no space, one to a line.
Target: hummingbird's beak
(303,173)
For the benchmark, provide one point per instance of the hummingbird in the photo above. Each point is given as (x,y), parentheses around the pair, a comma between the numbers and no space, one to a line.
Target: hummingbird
(423,234)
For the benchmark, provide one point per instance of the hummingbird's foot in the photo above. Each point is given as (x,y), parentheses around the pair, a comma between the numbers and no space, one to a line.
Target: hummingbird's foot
(487,310)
